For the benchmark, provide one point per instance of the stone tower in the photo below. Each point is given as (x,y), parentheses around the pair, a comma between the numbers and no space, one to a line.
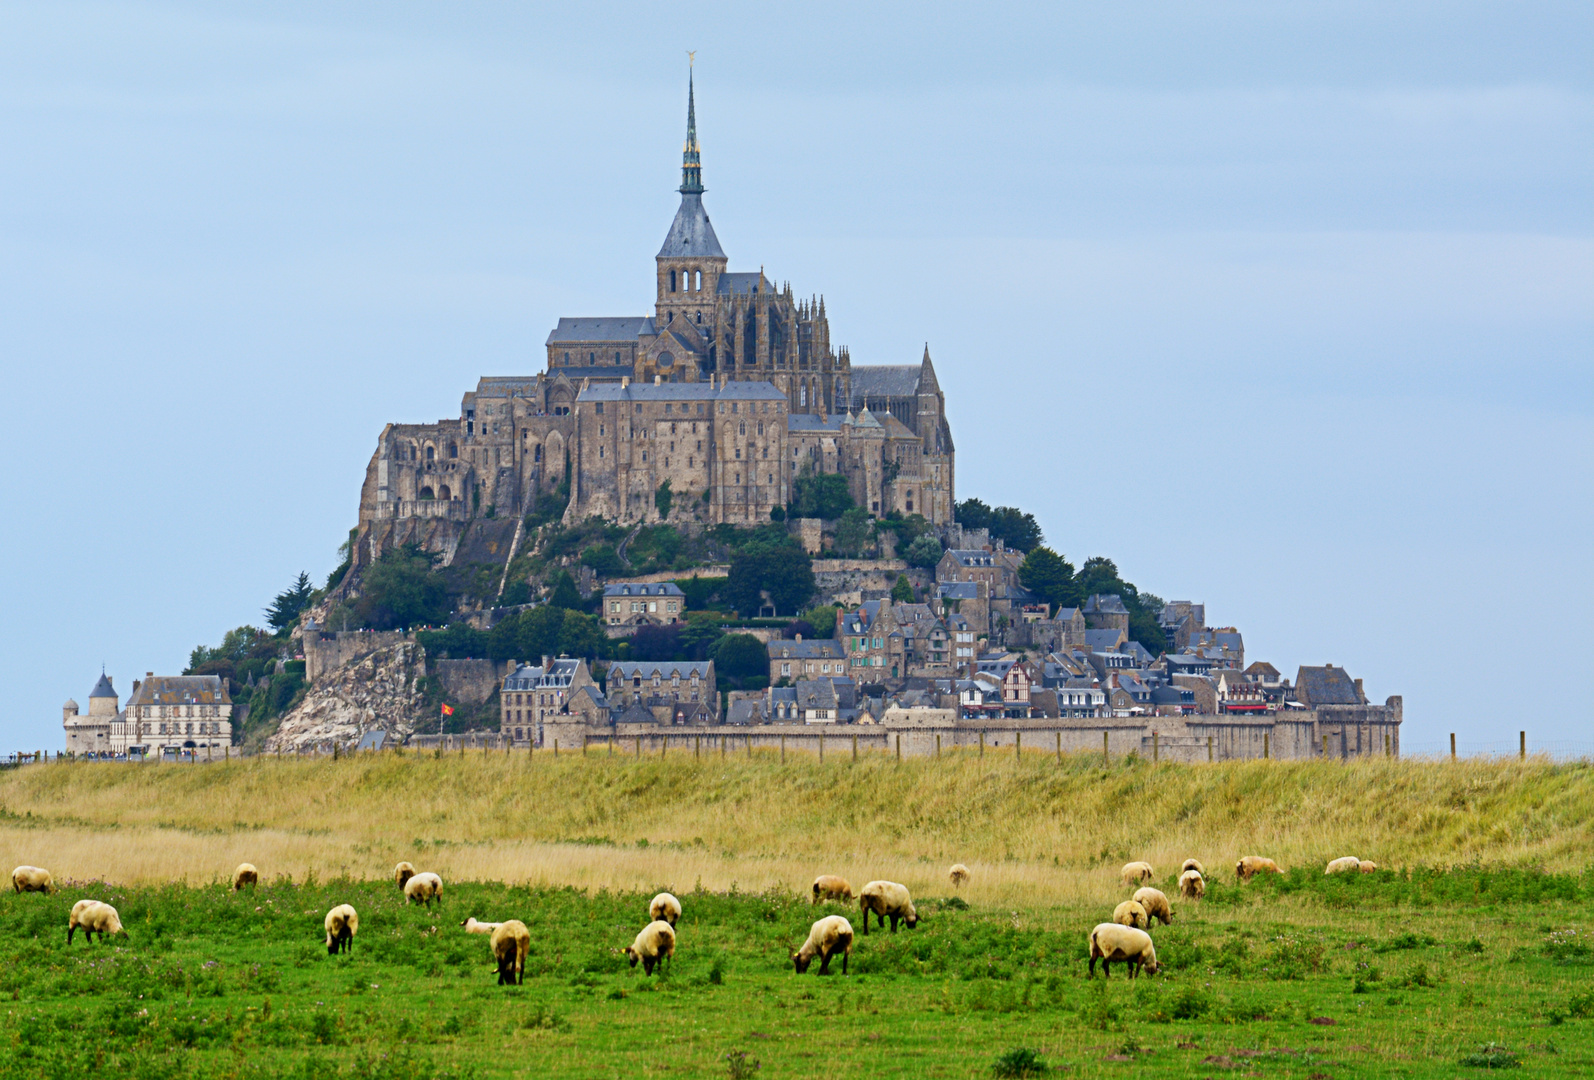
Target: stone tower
(691,261)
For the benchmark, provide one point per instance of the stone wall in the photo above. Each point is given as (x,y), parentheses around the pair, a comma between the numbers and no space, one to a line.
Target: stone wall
(469,681)
(325,651)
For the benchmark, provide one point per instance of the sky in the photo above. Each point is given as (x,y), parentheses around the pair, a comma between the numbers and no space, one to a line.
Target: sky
(1287,309)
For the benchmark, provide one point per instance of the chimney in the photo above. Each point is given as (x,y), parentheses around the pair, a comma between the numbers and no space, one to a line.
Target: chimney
(657,379)
(625,381)
(799,637)
(1359,694)
(149,674)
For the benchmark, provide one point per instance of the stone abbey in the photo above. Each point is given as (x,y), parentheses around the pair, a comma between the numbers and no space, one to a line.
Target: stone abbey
(728,392)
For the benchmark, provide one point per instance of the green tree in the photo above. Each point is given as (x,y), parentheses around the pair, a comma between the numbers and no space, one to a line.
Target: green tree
(285,609)
(563,594)
(741,656)
(925,552)
(701,635)
(402,590)
(820,495)
(538,632)
(582,636)
(784,571)
(822,619)
(852,532)
(1051,577)
(603,560)
(664,498)
(1008,524)
(902,591)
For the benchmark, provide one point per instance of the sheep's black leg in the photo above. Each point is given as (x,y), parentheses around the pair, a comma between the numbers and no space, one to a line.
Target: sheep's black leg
(844,961)
(824,963)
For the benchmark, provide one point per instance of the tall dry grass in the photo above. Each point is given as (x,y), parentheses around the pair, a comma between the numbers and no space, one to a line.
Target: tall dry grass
(1034,830)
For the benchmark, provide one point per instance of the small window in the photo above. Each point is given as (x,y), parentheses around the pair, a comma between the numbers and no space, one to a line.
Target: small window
(672,280)
(598,408)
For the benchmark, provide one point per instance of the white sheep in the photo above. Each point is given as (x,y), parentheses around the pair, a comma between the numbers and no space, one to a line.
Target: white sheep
(664,906)
(510,942)
(341,923)
(1131,913)
(423,889)
(1251,865)
(831,887)
(1342,864)
(474,925)
(1367,867)
(1192,886)
(246,874)
(826,938)
(1110,941)
(32,879)
(93,917)
(1136,872)
(402,874)
(1193,864)
(1155,901)
(654,945)
(887,899)
(959,875)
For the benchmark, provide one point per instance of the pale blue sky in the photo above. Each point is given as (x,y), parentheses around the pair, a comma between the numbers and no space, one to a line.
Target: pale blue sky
(1287,308)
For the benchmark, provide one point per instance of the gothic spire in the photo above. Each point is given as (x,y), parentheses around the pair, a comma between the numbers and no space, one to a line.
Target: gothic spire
(691,160)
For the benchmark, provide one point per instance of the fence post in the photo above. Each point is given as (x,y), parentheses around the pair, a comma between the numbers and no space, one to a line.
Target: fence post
(1452,746)
(855,745)
(821,748)
(1059,748)
(1325,746)
(1386,744)
(664,744)
(1265,754)
(639,747)
(937,744)
(1018,744)
(1104,756)
(1154,752)
(899,747)
(1522,745)
(982,744)
(722,748)
(749,738)
(583,744)
(611,745)
(1209,749)
(783,748)
(556,748)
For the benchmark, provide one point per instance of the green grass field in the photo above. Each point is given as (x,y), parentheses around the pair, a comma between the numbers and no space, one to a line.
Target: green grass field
(1382,975)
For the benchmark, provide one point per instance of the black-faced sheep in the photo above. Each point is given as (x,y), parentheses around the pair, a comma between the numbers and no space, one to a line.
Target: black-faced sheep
(1342,864)
(341,923)
(93,917)
(1193,864)
(887,900)
(1155,901)
(32,879)
(1131,913)
(664,906)
(1136,872)
(402,874)
(474,925)
(423,889)
(511,942)
(1110,941)
(1192,886)
(1252,865)
(958,875)
(654,945)
(246,874)
(826,938)
(831,887)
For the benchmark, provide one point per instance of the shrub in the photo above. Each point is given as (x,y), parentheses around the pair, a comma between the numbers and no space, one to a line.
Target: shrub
(1492,1056)
(1020,1061)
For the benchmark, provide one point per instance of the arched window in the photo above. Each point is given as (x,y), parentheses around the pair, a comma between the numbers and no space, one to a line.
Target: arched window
(742,428)
(426,493)
(672,280)
(699,286)
(536,453)
(453,450)
(443,493)
(802,396)
(430,452)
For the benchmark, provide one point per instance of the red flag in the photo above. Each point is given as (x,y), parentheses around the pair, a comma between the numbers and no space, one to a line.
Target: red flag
(448,710)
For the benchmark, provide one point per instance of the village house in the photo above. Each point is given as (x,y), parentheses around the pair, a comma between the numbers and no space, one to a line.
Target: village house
(529,695)
(631,603)
(660,686)
(793,659)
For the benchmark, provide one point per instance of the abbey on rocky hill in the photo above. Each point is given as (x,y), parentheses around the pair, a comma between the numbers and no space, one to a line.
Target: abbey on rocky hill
(728,392)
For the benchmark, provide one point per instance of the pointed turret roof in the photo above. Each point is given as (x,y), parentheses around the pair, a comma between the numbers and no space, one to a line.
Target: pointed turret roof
(103,688)
(691,234)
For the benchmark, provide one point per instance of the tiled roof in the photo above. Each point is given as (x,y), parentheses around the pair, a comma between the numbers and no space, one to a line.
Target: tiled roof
(1105,605)
(700,391)
(613,330)
(643,588)
(630,669)
(181,690)
(741,284)
(1327,685)
(103,688)
(691,233)
(883,380)
(812,422)
(816,649)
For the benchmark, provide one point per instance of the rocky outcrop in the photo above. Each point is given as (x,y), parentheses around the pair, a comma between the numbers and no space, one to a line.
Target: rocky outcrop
(378,692)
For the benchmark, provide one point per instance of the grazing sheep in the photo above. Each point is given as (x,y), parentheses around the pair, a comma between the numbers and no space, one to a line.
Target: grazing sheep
(246,874)
(341,923)
(959,874)
(831,887)
(511,941)
(1367,867)
(1155,901)
(665,906)
(93,917)
(1342,864)
(474,925)
(1136,872)
(1192,886)
(887,899)
(1110,941)
(402,874)
(826,938)
(423,889)
(654,945)
(32,879)
(1131,913)
(1193,864)
(1251,865)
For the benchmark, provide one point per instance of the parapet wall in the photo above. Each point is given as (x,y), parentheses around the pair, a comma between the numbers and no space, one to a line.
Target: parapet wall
(326,651)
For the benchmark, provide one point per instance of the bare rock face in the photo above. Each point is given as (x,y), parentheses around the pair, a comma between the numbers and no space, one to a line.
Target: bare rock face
(375,693)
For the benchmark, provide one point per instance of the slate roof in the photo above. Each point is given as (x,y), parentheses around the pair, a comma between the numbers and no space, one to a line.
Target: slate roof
(1102,640)
(735,391)
(811,422)
(740,284)
(559,673)
(630,669)
(864,419)
(181,690)
(1327,685)
(972,557)
(634,713)
(958,590)
(103,688)
(613,329)
(816,649)
(612,372)
(1105,605)
(883,380)
(643,588)
(815,694)
(746,711)
(691,233)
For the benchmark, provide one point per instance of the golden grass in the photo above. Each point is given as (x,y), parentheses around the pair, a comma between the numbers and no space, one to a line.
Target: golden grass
(1032,831)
